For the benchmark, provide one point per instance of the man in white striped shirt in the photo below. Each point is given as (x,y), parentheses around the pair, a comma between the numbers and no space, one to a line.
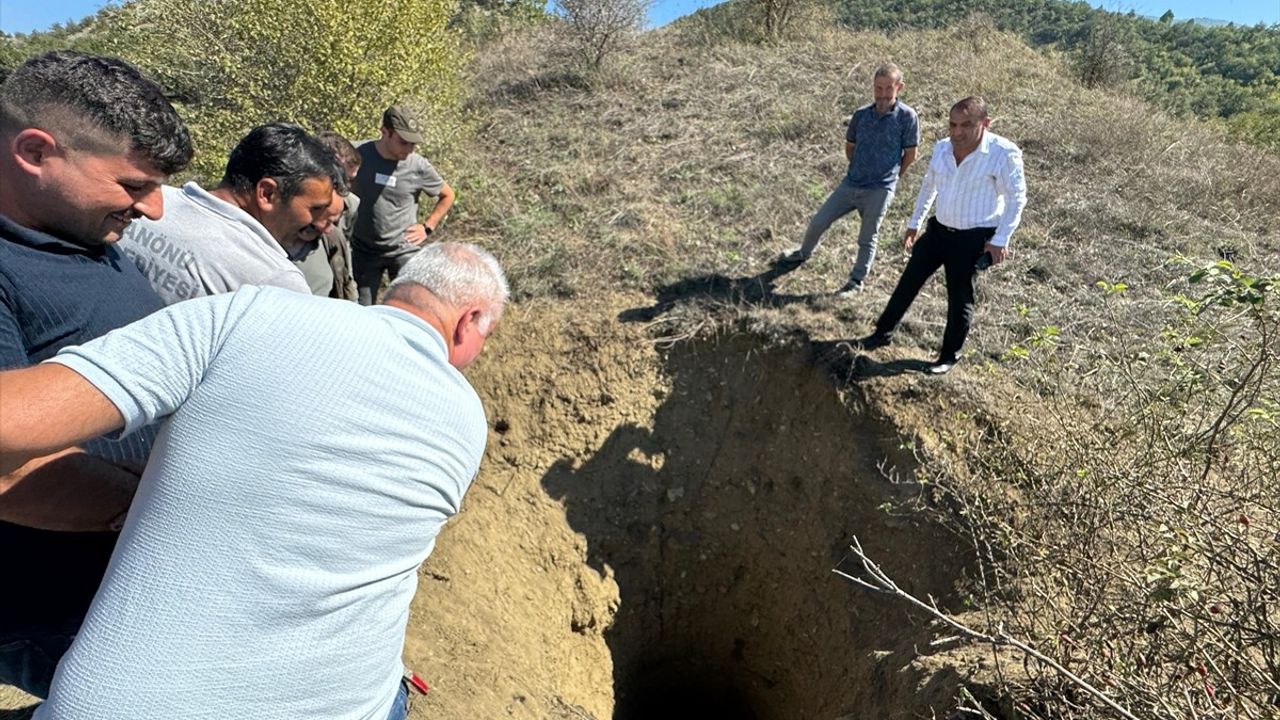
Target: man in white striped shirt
(977,179)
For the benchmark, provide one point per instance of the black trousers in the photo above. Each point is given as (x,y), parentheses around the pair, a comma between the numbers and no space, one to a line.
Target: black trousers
(50,579)
(955,250)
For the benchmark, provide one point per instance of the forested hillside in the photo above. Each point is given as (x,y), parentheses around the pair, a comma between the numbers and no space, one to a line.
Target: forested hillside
(1226,71)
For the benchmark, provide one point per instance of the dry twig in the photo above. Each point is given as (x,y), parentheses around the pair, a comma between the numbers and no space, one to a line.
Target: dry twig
(880,582)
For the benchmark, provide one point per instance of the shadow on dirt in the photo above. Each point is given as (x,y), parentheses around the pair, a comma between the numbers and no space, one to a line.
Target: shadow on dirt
(754,290)
(722,522)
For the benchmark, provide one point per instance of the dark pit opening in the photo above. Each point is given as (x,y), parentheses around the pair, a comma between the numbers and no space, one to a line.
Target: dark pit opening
(683,689)
(722,521)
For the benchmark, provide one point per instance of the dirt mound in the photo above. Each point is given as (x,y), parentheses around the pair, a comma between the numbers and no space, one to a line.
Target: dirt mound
(653,533)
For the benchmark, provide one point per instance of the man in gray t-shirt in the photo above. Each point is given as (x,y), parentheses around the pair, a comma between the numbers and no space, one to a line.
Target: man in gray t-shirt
(392,180)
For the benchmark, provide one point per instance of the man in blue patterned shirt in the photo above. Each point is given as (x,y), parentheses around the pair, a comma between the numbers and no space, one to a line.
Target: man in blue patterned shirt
(880,145)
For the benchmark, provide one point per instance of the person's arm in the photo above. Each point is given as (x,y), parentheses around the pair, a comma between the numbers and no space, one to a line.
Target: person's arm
(1011,184)
(290,278)
(418,233)
(48,409)
(910,142)
(47,483)
(65,490)
(69,491)
(924,200)
(123,381)
(908,157)
(430,183)
(444,201)
(848,151)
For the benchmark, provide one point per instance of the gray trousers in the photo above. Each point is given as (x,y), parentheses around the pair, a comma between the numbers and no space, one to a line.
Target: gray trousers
(871,204)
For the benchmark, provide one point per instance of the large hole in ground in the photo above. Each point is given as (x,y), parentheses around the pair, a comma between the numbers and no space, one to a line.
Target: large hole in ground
(721,521)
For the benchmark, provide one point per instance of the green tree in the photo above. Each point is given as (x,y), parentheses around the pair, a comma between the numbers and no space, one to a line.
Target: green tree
(233,64)
(487,20)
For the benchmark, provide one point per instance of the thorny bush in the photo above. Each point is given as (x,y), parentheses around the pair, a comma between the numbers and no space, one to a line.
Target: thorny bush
(1140,546)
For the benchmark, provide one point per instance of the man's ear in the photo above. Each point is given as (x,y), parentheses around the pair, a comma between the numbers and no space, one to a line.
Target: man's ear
(266,193)
(32,149)
(468,321)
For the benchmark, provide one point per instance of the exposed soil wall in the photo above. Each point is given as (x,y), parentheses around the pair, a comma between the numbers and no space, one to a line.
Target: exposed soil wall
(653,533)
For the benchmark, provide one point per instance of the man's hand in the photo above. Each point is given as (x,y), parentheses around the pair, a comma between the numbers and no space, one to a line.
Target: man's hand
(416,234)
(998,253)
(909,239)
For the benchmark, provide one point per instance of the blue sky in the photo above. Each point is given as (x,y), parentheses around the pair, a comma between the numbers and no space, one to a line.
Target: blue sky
(28,15)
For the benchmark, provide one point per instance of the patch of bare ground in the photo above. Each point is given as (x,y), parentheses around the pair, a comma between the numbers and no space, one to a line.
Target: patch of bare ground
(654,531)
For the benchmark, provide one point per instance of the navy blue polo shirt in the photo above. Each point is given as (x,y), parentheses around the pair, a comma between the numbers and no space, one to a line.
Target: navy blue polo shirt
(878,142)
(54,293)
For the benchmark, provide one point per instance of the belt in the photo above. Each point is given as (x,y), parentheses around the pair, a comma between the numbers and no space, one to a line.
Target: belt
(950,229)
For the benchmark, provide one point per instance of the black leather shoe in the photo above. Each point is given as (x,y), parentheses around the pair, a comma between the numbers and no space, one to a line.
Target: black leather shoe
(871,342)
(793,257)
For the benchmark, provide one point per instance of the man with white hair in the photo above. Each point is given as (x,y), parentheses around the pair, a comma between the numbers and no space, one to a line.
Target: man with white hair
(268,561)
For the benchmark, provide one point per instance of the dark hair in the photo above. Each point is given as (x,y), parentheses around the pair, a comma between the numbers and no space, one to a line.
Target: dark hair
(342,148)
(285,152)
(972,105)
(91,103)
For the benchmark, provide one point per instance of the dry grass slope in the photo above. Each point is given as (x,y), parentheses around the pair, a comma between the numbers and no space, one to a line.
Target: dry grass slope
(1094,443)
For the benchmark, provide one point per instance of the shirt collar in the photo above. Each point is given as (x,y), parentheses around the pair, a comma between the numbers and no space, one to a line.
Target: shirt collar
(984,145)
(893,109)
(44,242)
(435,343)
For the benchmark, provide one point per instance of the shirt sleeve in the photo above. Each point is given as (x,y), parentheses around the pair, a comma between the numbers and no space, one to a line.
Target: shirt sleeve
(851,134)
(430,181)
(291,279)
(911,131)
(1011,184)
(149,368)
(928,191)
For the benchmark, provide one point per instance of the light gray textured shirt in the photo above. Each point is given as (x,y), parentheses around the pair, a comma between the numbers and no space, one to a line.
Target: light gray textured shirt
(268,561)
(206,246)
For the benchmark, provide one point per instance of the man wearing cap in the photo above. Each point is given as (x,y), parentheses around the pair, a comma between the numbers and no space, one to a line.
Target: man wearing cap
(391,180)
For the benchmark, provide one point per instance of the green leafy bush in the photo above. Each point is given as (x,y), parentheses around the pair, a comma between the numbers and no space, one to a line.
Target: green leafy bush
(233,64)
